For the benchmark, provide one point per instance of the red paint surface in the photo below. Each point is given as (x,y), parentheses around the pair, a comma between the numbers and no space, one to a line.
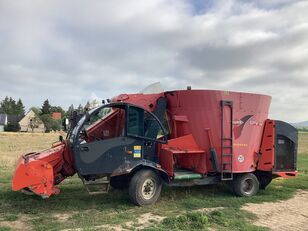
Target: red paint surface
(192,112)
(203,111)
(193,116)
(40,172)
(267,150)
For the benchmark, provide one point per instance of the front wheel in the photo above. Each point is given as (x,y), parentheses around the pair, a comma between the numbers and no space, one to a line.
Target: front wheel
(245,185)
(145,187)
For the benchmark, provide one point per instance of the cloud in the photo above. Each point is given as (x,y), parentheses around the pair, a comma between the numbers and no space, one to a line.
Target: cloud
(67,51)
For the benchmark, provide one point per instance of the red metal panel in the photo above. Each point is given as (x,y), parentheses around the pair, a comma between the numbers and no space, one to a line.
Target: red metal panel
(203,110)
(166,161)
(194,111)
(40,172)
(267,151)
(146,101)
(186,154)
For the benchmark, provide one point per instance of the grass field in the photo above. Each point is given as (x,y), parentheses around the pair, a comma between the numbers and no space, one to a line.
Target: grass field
(178,208)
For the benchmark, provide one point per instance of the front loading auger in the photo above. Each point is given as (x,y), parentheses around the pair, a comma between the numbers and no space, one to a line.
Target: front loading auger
(179,138)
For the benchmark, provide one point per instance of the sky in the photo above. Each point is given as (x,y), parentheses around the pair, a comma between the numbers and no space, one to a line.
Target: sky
(73,51)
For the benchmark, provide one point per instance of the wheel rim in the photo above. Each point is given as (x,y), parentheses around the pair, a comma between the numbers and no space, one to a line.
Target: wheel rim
(248,186)
(148,188)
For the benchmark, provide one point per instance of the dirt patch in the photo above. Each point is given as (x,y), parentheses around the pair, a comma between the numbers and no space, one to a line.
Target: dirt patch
(63,217)
(286,215)
(145,220)
(19,225)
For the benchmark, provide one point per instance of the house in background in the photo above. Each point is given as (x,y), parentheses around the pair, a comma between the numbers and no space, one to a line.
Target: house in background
(3,122)
(92,104)
(31,123)
(56,115)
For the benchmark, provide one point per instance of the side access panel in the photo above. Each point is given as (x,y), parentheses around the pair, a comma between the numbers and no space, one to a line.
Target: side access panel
(279,147)
(286,141)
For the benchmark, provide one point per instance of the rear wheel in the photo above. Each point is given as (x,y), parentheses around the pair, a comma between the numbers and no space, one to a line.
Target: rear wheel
(145,187)
(245,185)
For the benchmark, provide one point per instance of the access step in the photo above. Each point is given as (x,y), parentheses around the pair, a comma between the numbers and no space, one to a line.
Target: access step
(186,175)
(98,186)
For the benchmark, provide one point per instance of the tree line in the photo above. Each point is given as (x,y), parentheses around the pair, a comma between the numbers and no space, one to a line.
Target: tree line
(43,114)
(11,107)
(303,129)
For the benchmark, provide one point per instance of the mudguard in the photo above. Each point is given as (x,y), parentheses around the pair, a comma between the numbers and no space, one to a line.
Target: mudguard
(130,167)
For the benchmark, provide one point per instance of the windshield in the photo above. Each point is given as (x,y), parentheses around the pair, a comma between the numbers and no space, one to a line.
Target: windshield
(100,123)
(115,120)
(153,88)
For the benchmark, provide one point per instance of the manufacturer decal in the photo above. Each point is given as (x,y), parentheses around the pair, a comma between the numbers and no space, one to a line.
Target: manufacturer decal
(241,158)
(240,145)
(137,151)
(239,125)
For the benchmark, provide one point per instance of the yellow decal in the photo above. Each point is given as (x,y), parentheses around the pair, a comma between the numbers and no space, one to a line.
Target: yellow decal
(137,147)
(137,151)
(137,155)
(240,145)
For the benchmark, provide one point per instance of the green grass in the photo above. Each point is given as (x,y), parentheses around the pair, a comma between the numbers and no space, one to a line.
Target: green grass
(74,208)
(226,219)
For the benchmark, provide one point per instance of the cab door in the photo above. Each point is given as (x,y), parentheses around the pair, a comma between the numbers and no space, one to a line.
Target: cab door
(110,138)
(145,127)
(102,144)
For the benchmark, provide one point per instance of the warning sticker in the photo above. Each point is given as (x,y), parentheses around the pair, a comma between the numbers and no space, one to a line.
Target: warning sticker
(137,151)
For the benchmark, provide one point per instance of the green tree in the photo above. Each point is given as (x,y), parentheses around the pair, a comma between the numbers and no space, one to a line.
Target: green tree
(7,105)
(47,120)
(12,127)
(20,108)
(50,124)
(36,110)
(70,110)
(46,108)
(80,109)
(10,107)
(4,106)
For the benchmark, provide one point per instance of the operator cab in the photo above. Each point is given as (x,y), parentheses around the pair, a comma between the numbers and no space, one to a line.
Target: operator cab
(113,135)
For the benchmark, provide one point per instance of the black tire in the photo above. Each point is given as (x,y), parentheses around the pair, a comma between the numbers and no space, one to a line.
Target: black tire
(245,185)
(145,187)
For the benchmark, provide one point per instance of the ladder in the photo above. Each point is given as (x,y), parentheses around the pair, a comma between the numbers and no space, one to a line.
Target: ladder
(98,186)
(226,140)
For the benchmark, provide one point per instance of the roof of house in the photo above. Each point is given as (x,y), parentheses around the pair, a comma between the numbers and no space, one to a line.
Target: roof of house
(2,119)
(56,115)
(14,118)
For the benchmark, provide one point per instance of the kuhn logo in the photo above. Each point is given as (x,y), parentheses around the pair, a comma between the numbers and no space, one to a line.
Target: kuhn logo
(239,125)
(238,122)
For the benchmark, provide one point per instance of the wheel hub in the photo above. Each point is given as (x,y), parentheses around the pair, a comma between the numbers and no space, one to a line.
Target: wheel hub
(148,189)
(248,186)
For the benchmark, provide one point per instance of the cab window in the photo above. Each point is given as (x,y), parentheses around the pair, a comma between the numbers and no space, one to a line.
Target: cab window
(142,123)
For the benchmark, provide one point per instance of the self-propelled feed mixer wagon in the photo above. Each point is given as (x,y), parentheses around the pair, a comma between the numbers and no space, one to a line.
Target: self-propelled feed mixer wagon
(177,138)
